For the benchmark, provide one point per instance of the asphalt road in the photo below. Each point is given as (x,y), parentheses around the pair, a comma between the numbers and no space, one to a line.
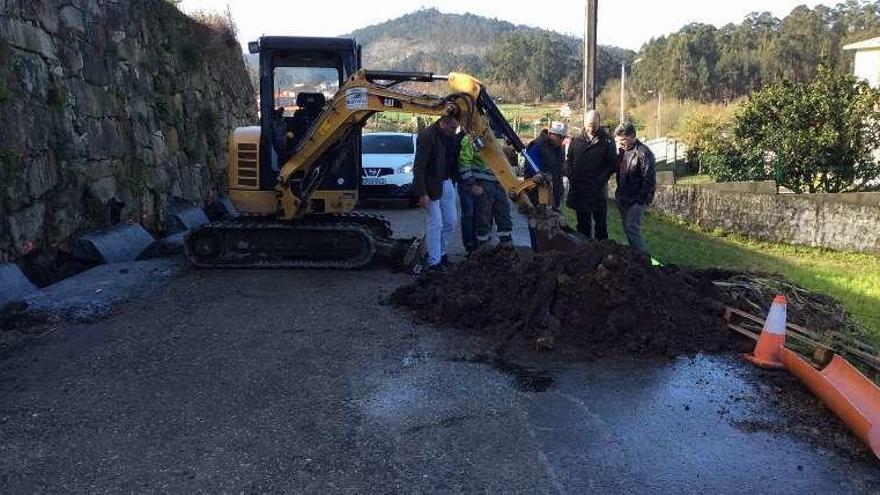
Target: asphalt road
(304,381)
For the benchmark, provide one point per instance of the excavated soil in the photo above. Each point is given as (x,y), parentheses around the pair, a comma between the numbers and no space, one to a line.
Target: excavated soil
(602,299)
(606,299)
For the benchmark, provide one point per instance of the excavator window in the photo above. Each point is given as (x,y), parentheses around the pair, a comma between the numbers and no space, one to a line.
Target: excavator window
(300,94)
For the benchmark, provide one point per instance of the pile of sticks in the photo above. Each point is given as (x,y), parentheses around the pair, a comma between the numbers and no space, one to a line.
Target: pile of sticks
(822,326)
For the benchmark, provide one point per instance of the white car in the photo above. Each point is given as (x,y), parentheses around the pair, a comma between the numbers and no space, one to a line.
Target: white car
(387,165)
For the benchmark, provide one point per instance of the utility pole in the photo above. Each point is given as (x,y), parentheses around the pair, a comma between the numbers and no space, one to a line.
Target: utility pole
(623,88)
(622,92)
(659,100)
(590,24)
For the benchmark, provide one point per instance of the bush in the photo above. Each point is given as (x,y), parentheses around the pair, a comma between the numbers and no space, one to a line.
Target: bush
(725,162)
(217,21)
(820,136)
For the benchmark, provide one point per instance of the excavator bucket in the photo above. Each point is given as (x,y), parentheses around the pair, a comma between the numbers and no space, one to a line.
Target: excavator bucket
(853,397)
(550,232)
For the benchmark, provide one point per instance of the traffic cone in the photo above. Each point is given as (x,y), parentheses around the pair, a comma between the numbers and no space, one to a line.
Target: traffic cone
(768,351)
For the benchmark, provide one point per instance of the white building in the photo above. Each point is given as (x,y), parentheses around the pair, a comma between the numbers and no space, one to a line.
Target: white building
(867,65)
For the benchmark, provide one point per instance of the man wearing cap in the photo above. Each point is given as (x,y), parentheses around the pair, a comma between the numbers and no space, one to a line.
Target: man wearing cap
(549,151)
(591,161)
(635,182)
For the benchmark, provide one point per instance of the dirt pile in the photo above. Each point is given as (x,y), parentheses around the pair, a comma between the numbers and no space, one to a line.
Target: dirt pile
(603,299)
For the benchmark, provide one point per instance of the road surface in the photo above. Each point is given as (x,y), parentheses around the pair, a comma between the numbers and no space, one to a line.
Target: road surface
(306,382)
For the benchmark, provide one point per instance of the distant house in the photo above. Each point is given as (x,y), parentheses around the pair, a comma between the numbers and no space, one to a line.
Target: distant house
(867,64)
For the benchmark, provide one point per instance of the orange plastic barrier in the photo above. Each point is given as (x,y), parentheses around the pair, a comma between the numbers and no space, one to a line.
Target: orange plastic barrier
(853,397)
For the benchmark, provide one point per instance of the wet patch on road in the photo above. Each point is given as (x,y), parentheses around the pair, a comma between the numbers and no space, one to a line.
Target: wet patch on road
(525,378)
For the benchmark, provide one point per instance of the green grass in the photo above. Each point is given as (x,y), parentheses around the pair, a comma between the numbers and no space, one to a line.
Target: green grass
(851,278)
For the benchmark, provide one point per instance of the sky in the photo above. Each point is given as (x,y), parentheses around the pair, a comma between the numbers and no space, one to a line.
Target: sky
(627,24)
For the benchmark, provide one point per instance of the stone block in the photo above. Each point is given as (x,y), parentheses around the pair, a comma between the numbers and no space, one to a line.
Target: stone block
(104,189)
(14,285)
(26,225)
(89,100)
(32,76)
(95,68)
(71,60)
(72,18)
(41,176)
(113,245)
(104,139)
(27,36)
(186,219)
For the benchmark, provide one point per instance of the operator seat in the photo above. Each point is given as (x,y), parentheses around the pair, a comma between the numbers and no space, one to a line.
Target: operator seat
(309,106)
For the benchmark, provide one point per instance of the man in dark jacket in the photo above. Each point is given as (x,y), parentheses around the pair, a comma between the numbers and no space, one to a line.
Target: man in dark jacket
(434,169)
(636,180)
(548,150)
(592,160)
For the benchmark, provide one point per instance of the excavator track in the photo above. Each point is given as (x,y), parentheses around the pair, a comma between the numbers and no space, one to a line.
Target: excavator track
(341,241)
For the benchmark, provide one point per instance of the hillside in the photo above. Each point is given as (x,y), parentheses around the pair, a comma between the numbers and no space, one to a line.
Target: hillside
(428,39)
(523,63)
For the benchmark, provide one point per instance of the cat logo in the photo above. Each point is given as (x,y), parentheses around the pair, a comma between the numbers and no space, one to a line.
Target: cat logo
(391,103)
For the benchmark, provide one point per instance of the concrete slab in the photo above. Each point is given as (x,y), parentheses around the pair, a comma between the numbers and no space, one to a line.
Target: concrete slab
(167,246)
(92,293)
(117,244)
(186,219)
(14,285)
(221,208)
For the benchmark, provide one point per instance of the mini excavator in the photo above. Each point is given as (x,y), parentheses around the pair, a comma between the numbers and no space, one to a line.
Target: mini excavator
(295,177)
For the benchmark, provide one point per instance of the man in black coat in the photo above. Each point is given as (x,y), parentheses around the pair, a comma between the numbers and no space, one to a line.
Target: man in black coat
(636,180)
(592,160)
(434,171)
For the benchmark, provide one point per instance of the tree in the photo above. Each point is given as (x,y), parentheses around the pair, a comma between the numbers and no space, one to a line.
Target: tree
(700,62)
(700,130)
(819,136)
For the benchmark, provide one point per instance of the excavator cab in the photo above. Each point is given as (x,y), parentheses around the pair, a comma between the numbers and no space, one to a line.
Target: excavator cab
(298,75)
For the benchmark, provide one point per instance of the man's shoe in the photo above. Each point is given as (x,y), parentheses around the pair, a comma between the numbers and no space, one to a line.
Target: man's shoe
(446,262)
(505,241)
(438,269)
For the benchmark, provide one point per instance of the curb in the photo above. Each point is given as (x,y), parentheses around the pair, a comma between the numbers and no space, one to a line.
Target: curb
(113,245)
(14,285)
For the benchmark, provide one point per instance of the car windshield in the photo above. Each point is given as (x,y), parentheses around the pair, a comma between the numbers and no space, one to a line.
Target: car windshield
(387,145)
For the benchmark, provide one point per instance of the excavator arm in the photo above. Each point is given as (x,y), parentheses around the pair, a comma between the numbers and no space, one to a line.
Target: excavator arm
(364,96)
(370,92)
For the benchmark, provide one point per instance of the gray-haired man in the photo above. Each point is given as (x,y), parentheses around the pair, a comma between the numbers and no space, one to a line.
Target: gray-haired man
(636,180)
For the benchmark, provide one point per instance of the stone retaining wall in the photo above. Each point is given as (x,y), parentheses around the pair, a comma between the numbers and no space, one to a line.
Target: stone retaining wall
(847,222)
(110,110)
